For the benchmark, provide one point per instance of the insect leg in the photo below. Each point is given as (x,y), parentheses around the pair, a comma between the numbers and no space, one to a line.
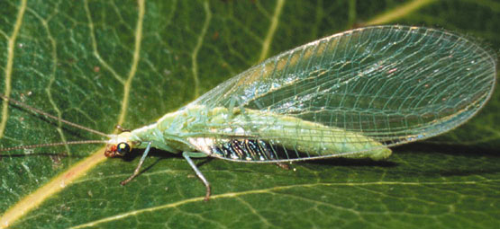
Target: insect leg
(136,171)
(121,129)
(283,165)
(187,156)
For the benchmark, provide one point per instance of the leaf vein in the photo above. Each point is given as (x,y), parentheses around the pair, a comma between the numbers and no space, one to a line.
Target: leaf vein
(272,30)
(135,62)
(8,69)
(264,191)
(199,43)
(95,50)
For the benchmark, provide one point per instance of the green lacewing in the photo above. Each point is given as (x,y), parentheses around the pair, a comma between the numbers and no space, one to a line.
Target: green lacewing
(350,95)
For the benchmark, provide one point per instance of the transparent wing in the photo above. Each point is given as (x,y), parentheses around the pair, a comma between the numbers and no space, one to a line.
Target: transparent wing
(389,84)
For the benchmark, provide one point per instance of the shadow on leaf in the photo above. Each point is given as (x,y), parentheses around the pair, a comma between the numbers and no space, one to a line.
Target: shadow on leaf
(451,149)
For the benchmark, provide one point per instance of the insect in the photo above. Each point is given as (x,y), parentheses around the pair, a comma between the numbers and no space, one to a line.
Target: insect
(350,95)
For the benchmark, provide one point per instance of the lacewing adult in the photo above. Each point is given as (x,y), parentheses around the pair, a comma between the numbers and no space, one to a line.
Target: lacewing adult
(350,95)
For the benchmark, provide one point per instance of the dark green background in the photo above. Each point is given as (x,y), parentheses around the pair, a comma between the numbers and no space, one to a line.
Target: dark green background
(451,181)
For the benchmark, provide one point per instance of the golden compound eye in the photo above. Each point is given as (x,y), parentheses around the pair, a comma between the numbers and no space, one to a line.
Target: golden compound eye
(123,148)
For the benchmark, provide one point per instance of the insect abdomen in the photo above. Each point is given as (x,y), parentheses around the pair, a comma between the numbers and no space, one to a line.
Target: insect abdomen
(266,136)
(245,149)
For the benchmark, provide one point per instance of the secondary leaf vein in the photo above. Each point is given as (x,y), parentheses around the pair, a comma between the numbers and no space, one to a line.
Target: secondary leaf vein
(265,191)
(10,61)
(272,30)
(399,12)
(135,62)
(95,51)
(199,43)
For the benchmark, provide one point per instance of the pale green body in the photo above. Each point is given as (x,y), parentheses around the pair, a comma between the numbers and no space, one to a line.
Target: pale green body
(352,95)
(198,128)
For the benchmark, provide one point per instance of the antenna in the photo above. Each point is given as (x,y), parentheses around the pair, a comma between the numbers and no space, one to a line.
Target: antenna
(37,111)
(53,144)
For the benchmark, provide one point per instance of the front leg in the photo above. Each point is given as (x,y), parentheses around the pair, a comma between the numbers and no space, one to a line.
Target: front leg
(138,168)
(187,156)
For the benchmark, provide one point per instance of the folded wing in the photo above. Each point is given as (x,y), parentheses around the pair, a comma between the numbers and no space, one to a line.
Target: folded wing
(377,86)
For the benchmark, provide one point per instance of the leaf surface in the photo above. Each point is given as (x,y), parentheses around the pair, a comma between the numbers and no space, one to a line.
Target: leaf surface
(103,63)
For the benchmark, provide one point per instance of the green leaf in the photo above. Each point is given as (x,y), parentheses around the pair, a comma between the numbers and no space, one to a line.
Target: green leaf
(103,63)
